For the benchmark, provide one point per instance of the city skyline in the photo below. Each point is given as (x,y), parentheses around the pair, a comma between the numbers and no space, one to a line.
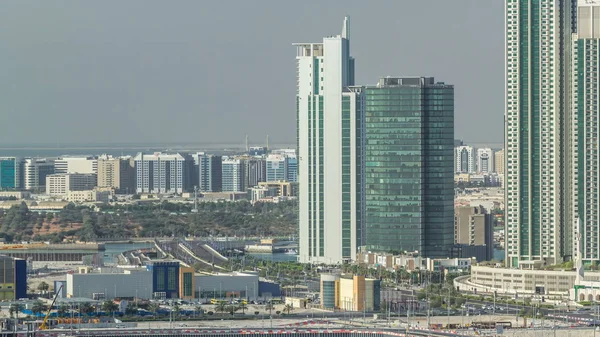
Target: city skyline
(63,77)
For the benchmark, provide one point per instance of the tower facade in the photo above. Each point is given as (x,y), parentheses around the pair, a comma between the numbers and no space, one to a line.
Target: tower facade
(537,119)
(330,136)
(233,174)
(585,105)
(409,175)
(161,173)
(485,160)
(207,172)
(464,157)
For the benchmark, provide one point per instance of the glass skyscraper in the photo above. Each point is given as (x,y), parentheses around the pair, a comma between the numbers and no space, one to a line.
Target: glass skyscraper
(207,171)
(409,157)
(9,173)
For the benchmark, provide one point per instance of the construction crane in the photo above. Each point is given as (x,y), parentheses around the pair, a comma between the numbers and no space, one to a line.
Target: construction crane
(44,326)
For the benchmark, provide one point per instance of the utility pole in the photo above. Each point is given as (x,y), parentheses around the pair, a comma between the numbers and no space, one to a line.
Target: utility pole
(448,310)
(195,210)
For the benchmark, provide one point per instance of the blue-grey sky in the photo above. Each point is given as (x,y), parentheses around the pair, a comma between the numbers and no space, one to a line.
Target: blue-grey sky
(213,71)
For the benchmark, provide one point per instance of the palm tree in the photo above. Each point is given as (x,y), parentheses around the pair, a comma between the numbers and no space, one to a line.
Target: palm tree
(288,308)
(221,307)
(243,307)
(62,310)
(109,306)
(15,308)
(176,309)
(153,307)
(38,307)
(86,308)
(232,309)
(269,307)
(131,309)
(197,310)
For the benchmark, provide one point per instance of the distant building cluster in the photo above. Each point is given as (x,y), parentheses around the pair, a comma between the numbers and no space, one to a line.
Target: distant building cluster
(468,159)
(264,175)
(478,166)
(412,262)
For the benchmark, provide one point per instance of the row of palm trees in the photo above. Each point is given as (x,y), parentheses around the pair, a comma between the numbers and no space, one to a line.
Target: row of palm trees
(111,307)
(224,307)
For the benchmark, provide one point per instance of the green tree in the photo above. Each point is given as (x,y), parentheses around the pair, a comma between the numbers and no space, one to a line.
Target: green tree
(288,308)
(269,307)
(38,307)
(153,307)
(232,309)
(109,307)
(86,308)
(198,310)
(176,309)
(15,308)
(62,310)
(43,287)
(221,307)
(243,307)
(131,309)
(435,301)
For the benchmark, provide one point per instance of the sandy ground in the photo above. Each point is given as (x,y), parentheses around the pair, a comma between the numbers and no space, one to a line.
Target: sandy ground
(58,273)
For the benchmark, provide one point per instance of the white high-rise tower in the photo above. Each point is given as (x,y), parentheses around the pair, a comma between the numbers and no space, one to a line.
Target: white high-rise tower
(585,148)
(330,147)
(538,33)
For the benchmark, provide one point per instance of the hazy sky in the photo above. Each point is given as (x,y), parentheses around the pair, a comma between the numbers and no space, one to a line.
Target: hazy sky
(213,71)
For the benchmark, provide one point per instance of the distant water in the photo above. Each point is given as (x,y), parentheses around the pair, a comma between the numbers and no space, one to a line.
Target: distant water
(276,257)
(499,254)
(112,250)
(117,149)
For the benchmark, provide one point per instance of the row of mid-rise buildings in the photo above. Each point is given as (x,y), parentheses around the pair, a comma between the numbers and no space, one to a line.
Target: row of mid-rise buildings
(32,173)
(468,159)
(178,173)
(375,167)
(157,173)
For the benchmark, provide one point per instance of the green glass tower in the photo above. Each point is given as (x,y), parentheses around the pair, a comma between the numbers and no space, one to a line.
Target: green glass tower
(9,173)
(409,158)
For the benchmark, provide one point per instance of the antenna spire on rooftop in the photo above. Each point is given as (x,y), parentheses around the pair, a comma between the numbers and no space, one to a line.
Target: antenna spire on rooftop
(346,28)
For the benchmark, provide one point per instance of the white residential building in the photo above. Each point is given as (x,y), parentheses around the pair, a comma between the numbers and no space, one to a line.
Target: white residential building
(69,164)
(537,119)
(35,172)
(233,174)
(485,160)
(161,173)
(60,184)
(585,128)
(330,144)
(464,157)
(101,195)
(277,167)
